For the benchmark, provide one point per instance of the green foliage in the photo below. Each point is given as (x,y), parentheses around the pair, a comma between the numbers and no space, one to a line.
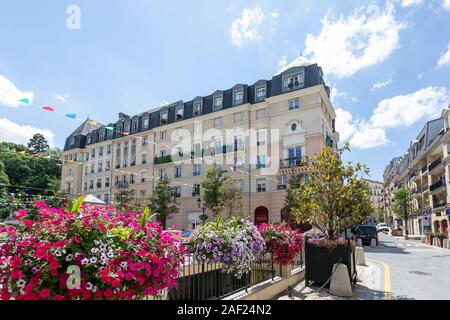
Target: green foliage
(3,177)
(211,184)
(126,200)
(163,201)
(230,198)
(38,144)
(335,196)
(403,204)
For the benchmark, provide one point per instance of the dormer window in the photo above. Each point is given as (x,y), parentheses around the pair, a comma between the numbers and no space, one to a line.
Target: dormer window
(197,109)
(127,127)
(89,139)
(260,93)
(179,112)
(145,123)
(293,82)
(72,142)
(164,117)
(135,126)
(238,97)
(217,103)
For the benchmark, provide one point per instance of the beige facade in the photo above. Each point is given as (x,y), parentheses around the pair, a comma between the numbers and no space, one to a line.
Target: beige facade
(256,144)
(425,169)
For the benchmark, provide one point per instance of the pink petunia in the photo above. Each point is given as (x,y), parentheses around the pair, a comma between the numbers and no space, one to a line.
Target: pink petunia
(28,223)
(45,293)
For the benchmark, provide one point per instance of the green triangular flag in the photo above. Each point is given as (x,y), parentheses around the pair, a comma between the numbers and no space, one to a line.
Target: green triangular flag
(109,128)
(27,101)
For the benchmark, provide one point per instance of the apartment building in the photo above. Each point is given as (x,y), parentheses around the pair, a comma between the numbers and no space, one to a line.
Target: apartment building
(425,169)
(258,134)
(376,194)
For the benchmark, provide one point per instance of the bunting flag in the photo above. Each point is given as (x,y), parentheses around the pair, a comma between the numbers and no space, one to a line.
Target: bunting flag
(109,128)
(139,138)
(48,108)
(93,122)
(71,115)
(26,101)
(125,133)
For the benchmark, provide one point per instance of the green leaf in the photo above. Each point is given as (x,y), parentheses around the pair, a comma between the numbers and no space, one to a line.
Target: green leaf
(77,205)
(144,217)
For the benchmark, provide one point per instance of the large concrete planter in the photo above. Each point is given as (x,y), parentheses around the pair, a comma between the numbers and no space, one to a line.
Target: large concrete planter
(319,262)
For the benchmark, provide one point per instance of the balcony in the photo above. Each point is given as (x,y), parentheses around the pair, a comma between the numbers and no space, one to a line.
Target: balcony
(424,169)
(425,188)
(436,165)
(122,185)
(438,204)
(293,162)
(438,186)
(162,160)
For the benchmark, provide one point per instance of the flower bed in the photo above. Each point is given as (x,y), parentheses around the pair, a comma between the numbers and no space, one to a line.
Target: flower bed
(92,254)
(282,242)
(235,244)
(322,242)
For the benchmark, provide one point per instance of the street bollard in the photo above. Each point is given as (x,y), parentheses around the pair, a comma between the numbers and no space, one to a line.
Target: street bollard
(445,244)
(373,243)
(360,257)
(340,285)
(435,241)
(359,242)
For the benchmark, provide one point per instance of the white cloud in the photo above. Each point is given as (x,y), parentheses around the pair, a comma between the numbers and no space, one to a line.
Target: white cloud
(368,137)
(246,27)
(282,63)
(446,4)
(445,58)
(410,3)
(381,84)
(275,14)
(396,112)
(62,98)
(14,132)
(403,111)
(10,94)
(349,44)
(335,94)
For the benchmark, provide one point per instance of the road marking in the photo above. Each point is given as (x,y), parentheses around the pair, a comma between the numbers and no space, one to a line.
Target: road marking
(387,279)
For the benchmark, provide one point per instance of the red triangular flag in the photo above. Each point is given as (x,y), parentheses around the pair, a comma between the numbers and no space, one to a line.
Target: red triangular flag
(48,108)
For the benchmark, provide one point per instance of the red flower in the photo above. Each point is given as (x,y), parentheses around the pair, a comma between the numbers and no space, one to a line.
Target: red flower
(108,293)
(116,283)
(15,262)
(75,239)
(58,297)
(45,293)
(16,274)
(28,223)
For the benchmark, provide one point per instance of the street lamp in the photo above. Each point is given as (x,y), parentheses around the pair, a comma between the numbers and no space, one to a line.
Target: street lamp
(203,217)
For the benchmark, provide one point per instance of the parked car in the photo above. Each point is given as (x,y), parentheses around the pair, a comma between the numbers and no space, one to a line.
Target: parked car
(366,233)
(382,227)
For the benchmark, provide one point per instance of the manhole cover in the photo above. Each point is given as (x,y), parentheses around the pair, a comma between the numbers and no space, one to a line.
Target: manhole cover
(420,273)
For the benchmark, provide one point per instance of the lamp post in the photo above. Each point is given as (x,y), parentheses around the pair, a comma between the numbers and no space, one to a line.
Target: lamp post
(203,217)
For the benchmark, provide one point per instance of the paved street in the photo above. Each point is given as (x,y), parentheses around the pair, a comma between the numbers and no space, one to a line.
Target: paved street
(416,271)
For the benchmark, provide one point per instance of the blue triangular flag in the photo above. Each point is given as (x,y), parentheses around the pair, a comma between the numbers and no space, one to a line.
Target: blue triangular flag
(72,115)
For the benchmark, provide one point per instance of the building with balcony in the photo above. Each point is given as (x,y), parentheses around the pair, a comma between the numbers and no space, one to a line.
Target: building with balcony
(259,134)
(425,169)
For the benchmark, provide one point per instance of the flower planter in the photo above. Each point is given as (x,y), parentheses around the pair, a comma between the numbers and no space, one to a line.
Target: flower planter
(319,262)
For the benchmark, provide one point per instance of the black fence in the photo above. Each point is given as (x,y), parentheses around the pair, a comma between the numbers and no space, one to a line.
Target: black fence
(205,281)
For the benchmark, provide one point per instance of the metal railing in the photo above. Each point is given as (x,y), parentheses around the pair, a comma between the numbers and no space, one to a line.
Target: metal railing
(437,185)
(435,163)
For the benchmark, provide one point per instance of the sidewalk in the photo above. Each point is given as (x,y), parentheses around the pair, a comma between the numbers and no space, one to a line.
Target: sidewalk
(370,286)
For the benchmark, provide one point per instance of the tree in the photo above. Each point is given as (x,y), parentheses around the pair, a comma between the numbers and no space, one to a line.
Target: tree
(16,167)
(163,201)
(231,198)
(3,177)
(402,205)
(211,185)
(335,196)
(126,200)
(38,144)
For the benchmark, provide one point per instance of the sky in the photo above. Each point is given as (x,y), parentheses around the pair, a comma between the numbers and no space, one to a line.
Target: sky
(387,62)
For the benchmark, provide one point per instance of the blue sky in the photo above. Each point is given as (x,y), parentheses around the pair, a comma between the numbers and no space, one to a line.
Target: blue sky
(388,63)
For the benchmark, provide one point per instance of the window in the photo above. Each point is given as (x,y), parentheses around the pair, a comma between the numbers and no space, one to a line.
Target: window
(108,150)
(293,104)
(162,153)
(217,104)
(99,183)
(85,186)
(177,192)
(108,165)
(197,150)
(69,172)
(238,97)
(177,172)
(293,127)
(197,170)
(107,182)
(126,127)
(99,167)
(179,131)
(260,114)
(163,135)
(238,143)
(294,156)
(87,156)
(145,123)
(281,182)
(91,184)
(93,153)
(134,127)
(100,151)
(179,112)
(196,190)
(106,197)
(143,176)
(162,174)
(217,122)
(144,158)
(197,109)
(260,161)
(260,93)
(145,141)
(293,82)
(86,171)
(92,168)
(72,142)
(197,126)
(261,137)
(261,185)
(164,117)
(237,117)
